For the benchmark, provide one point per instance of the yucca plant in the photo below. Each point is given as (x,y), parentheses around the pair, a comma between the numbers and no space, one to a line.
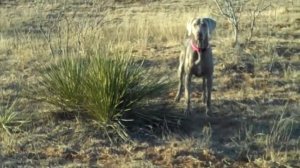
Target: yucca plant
(104,87)
(62,83)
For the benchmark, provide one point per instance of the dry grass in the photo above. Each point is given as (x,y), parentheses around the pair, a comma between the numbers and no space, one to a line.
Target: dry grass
(255,100)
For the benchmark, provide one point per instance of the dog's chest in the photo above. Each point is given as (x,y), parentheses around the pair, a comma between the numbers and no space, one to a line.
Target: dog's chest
(204,67)
(197,69)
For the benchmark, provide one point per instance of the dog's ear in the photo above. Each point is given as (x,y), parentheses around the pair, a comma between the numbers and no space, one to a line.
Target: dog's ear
(211,25)
(191,26)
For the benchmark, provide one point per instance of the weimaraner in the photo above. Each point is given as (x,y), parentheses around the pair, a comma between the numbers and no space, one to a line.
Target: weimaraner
(196,59)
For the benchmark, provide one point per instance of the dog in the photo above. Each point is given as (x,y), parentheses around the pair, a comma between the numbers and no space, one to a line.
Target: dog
(196,58)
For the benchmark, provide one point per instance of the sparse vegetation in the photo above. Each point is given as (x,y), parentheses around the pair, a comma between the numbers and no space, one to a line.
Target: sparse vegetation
(280,132)
(255,120)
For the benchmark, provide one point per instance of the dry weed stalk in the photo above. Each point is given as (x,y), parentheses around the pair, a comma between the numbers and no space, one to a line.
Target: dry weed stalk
(233,9)
(260,7)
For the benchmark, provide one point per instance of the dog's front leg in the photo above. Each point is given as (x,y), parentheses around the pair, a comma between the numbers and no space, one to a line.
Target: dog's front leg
(209,89)
(180,76)
(204,89)
(187,92)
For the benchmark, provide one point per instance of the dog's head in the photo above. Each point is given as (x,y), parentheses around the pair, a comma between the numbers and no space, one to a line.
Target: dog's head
(200,29)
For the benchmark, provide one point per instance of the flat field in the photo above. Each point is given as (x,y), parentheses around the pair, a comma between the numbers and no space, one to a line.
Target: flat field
(256,92)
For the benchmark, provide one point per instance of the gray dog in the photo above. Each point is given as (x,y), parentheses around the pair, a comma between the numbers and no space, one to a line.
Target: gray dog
(196,59)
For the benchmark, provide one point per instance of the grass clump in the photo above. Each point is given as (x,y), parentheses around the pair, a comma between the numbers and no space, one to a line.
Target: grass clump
(62,83)
(104,87)
(9,118)
(276,140)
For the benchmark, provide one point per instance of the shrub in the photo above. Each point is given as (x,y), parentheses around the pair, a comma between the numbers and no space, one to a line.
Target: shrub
(104,87)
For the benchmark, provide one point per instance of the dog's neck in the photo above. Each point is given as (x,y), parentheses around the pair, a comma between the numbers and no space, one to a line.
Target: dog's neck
(196,48)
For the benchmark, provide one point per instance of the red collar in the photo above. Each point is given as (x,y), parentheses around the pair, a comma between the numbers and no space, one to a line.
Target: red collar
(194,47)
(197,49)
